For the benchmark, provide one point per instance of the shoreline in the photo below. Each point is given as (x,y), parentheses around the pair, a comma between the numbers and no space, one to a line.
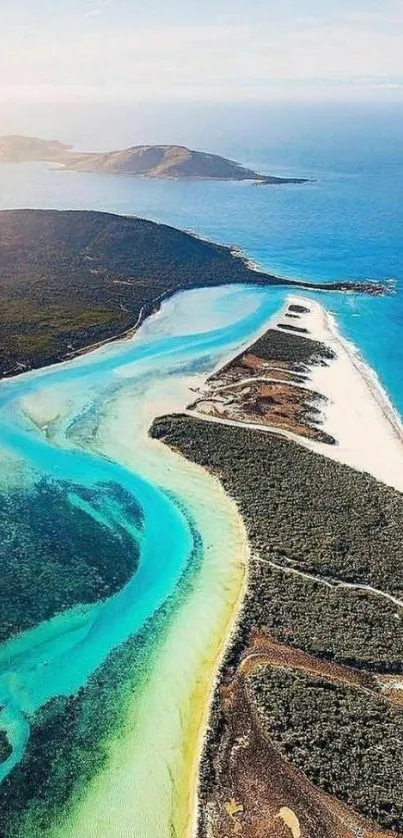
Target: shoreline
(370,376)
(357,402)
(214,604)
(356,399)
(66,342)
(189,659)
(371,403)
(219,660)
(202,689)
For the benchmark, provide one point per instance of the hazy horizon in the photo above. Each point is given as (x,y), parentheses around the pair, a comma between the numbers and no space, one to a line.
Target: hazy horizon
(240,130)
(127,52)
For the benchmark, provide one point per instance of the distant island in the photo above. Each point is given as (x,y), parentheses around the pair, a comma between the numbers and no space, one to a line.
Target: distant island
(171,162)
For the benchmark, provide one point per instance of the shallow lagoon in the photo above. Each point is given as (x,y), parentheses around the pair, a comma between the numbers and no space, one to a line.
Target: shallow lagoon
(84,424)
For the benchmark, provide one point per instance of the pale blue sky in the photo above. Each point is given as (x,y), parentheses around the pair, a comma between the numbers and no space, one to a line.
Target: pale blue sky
(208,50)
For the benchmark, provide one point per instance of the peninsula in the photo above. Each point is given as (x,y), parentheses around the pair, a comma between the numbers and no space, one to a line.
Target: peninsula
(69,280)
(307,710)
(171,162)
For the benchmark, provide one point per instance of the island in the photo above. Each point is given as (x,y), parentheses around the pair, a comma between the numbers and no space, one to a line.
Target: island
(72,279)
(172,162)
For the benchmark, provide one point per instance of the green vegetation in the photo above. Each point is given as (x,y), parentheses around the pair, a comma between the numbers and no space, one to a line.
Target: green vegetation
(54,554)
(28,330)
(298,309)
(69,279)
(336,734)
(299,352)
(278,405)
(301,509)
(304,512)
(288,328)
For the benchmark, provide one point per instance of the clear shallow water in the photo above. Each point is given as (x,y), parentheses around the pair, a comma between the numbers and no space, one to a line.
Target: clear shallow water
(57,657)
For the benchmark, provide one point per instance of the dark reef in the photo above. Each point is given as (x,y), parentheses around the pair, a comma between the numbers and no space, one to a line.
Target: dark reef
(54,555)
(70,737)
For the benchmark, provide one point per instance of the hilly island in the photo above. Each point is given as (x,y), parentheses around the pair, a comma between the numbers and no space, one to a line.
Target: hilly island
(69,279)
(156,161)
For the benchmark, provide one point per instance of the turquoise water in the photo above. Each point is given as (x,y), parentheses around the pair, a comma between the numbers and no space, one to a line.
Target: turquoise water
(347,223)
(57,657)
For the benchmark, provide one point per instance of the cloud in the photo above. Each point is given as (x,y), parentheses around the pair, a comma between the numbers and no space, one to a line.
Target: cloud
(127,58)
(97,10)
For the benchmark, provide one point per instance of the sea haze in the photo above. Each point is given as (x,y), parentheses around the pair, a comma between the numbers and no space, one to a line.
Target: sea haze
(347,223)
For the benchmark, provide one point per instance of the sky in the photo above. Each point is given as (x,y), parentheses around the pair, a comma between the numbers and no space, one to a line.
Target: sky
(199,50)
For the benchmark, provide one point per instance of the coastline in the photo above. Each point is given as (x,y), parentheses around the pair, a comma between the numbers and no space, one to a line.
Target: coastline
(343,378)
(355,397)
(112,298)
(198,687)
(188,662)
(325,329)
(189,659)
(359,413)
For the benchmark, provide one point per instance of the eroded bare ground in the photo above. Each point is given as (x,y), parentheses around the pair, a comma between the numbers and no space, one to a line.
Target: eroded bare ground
(268,385)
(257,793)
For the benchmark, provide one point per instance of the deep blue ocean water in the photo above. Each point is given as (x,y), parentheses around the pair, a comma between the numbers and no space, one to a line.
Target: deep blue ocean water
(347,223)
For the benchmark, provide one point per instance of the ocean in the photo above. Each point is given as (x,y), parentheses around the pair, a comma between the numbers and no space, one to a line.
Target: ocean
(346,224)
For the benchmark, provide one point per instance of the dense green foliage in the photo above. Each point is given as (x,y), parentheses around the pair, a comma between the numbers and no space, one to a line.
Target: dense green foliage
(68,279)
(298,309)
(298,351)
(54,554)
(335,734)
(301,507)
(303,511)
(289,328)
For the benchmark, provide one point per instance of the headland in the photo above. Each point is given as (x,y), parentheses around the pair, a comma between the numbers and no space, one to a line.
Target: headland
(70,280)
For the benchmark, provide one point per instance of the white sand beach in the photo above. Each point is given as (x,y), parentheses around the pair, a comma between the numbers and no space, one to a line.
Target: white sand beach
(359,414)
